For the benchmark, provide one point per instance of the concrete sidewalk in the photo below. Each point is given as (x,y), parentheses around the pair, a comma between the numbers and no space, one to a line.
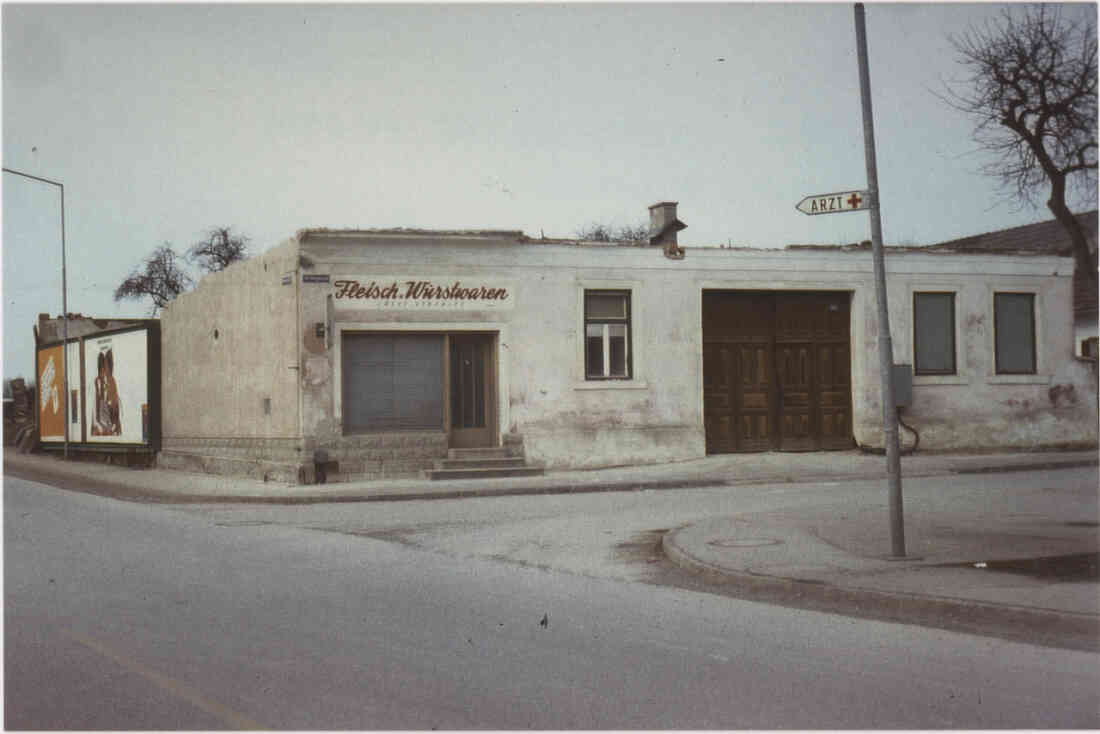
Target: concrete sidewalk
(1029,569)
(728,469)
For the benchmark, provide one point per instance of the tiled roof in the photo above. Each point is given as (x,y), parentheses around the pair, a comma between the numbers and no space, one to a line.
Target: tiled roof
(1049,236)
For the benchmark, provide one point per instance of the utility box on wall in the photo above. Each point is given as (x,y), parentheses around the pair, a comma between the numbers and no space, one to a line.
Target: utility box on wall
(903,385)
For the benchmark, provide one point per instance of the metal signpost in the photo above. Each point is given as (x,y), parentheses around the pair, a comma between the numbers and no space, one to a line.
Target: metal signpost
(64,301)
(885,344)
(850,201)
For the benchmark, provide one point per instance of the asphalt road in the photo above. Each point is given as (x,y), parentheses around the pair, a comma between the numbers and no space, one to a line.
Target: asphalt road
(129,616)
(581,533)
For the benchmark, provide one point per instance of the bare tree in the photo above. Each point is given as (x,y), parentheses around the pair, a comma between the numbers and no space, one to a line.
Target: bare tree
(606,233)
(1031,91)
(219,250)
(160,278)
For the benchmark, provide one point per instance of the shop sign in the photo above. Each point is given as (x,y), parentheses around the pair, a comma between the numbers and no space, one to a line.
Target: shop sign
(430,293)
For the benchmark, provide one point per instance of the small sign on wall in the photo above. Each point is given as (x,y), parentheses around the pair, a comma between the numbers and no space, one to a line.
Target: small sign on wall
(431,293)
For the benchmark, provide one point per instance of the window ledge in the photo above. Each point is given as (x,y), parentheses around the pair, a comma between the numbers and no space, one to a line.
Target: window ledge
(1018,379)
(941,380)
(610,385)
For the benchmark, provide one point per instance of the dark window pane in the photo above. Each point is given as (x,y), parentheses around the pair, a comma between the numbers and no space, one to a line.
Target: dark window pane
(605,306)
(934,331)
(1015,332)
(617,338)
(594,350)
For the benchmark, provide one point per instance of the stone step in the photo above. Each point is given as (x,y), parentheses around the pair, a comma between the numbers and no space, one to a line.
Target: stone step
(493,462)
(510,471)
(499,452)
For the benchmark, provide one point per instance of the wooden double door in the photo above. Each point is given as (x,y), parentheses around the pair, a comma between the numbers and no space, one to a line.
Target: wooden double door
(776,371)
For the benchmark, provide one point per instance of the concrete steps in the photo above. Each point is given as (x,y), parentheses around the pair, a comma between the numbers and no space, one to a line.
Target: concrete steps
(490,463)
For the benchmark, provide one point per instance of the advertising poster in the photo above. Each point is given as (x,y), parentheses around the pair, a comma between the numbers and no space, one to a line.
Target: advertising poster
(116,390)
(51,393)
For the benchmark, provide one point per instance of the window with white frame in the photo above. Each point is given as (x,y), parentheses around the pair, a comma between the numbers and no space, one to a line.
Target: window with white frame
(1014,333)
(607,335)
(934,333)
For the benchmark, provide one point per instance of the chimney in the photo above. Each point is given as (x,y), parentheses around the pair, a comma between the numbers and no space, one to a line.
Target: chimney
(663,226)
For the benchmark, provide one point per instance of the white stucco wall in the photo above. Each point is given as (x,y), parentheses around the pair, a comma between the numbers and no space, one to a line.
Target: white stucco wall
(657,415)
(1084,328)
(216,386)
(977,408)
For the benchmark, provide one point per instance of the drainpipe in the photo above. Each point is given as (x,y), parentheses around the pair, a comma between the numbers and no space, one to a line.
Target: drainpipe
(298,332)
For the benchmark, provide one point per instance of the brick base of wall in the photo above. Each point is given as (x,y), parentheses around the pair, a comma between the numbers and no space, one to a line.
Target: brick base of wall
(372,456)
(266,459)
(350,458)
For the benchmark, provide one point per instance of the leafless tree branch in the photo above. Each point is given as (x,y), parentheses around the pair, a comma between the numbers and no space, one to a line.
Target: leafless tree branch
(1029,87)
(159,277)
(219,250)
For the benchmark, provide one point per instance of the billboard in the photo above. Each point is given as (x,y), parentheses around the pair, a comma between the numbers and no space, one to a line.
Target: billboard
(116,387)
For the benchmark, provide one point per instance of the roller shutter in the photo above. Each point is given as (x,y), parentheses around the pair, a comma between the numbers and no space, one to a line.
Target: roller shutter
(392,382)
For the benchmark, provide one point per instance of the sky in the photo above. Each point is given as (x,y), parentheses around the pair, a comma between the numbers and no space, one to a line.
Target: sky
(165,120)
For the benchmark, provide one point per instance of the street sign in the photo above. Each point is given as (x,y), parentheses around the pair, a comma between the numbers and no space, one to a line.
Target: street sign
(842,201)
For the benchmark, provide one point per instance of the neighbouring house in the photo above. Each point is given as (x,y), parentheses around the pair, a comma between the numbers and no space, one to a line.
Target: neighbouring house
(378,353)
(1045,237)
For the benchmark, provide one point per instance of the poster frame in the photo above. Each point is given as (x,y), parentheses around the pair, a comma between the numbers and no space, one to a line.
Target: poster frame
(152,382)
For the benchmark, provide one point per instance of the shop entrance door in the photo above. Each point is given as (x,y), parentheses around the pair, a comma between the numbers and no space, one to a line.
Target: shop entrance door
(473,387)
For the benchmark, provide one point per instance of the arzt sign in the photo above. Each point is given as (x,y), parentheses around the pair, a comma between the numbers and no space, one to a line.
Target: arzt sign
(842,201)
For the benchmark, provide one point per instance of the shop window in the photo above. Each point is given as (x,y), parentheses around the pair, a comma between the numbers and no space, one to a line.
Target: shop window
(934,333)
(1014,333)
(607,335)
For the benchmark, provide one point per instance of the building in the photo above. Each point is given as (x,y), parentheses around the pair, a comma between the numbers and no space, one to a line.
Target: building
(386,348)
(1045,237)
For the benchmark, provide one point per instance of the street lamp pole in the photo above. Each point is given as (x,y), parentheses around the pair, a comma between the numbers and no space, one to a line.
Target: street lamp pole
(885,343)
(64,301)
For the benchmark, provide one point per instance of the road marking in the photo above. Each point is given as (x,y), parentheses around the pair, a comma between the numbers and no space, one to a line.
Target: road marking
(171,685)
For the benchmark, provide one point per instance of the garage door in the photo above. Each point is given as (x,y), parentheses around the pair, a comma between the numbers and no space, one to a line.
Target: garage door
(776,371)
(392,381)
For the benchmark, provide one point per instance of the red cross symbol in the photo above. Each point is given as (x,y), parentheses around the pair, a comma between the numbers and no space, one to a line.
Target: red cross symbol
(854,201)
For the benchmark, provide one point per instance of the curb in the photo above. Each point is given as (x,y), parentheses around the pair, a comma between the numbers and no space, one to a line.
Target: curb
(127,491)
(135,492)
(1028,624)
(1028,467)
